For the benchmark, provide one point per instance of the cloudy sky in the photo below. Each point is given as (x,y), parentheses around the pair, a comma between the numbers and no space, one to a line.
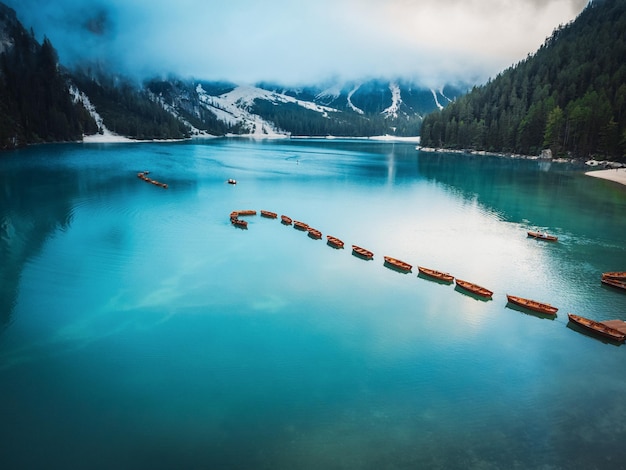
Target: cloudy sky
(297,41)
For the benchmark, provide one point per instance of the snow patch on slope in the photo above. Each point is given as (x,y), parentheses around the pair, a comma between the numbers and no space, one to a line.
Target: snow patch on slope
(396,100)
(442,94)
(436,100)
(350,104)
(104,134)
(330,94)
(234,108)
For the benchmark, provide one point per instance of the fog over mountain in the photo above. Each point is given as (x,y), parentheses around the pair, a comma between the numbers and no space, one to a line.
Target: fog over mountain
(432,41)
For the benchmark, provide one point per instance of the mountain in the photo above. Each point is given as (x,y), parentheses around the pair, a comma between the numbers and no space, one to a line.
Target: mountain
(35,103)
(41,101)
(569,97)
(369,108)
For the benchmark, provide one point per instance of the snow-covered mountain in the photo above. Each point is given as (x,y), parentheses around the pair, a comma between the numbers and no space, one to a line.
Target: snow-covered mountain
(95,101)
(365,108)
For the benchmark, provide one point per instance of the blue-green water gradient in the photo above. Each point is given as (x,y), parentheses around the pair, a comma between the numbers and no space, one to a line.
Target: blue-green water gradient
(140,329)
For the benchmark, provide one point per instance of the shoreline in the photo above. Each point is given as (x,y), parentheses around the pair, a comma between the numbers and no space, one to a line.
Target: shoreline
(617,175)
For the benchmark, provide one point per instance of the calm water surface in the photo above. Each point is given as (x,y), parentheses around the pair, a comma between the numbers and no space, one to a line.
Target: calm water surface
(140,329)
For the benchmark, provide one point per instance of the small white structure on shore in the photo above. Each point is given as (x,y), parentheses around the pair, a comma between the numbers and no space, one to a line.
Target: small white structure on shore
(546,154)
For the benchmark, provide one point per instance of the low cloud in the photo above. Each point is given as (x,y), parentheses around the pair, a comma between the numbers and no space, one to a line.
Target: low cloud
(433,41)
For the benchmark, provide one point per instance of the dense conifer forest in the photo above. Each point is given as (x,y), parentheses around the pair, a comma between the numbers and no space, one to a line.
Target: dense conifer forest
(570,96)
(35,104)
(127,109)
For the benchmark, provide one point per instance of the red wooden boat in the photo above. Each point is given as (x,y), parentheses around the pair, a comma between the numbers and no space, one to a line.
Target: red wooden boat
(474,288)
(314,233)
(247,212)
(300,225)
(285,220)
(396,263)
(542,236)
(271,215)
(239,223)
(597,327)
(334,241)
(357,250)
(619,283)
(532,305)
(620,275)
(436,274)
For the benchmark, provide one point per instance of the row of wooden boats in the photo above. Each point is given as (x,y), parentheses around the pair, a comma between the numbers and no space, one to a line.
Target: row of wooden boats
(236,221)
(616,278)
(143,175)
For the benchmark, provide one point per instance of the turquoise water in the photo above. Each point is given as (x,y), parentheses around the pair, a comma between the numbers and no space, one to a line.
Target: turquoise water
(140,329)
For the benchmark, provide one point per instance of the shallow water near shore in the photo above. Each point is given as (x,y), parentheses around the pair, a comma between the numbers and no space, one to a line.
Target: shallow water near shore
(141,329)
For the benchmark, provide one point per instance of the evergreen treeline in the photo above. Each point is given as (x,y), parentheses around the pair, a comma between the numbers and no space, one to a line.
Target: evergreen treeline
(35,104)
(128,110)
(298,121)
(570,96)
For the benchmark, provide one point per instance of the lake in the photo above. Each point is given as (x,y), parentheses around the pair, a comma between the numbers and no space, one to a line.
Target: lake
(140,329)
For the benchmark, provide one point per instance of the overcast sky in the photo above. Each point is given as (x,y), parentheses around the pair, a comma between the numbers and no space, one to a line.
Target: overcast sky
(293,41)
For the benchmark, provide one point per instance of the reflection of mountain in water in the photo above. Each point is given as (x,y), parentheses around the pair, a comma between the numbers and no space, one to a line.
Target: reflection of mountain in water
(523,190)
(34,203)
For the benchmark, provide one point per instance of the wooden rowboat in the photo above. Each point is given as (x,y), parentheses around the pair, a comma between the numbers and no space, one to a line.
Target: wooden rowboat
(615,275)
(619,283)
(300,225)
(334,241)
(436,274)
(247,212)
(239,223)
(532,305)
(542,236)
(271,215)
(396,263)
(474,288)
(285,220)
(597,327)
(314,233)
(357,250)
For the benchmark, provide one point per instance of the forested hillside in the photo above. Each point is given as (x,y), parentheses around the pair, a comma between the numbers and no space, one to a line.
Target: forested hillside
(570,96)
(127,109)
(35,105)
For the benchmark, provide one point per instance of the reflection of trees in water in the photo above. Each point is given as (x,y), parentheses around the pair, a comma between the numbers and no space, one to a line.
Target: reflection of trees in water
(522,190)
(34,203)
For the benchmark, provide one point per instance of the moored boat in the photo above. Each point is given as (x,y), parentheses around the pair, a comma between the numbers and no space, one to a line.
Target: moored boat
(474,288)
(542,236)
(300,225)
(436,274)
(597,327)
(619,283)
(396,263)
(247,212)
(540,307)
(232,181)
(239,223)
(334,241)
(285,220)
(314,233)
(360,251)
(269,214)
(615,275)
